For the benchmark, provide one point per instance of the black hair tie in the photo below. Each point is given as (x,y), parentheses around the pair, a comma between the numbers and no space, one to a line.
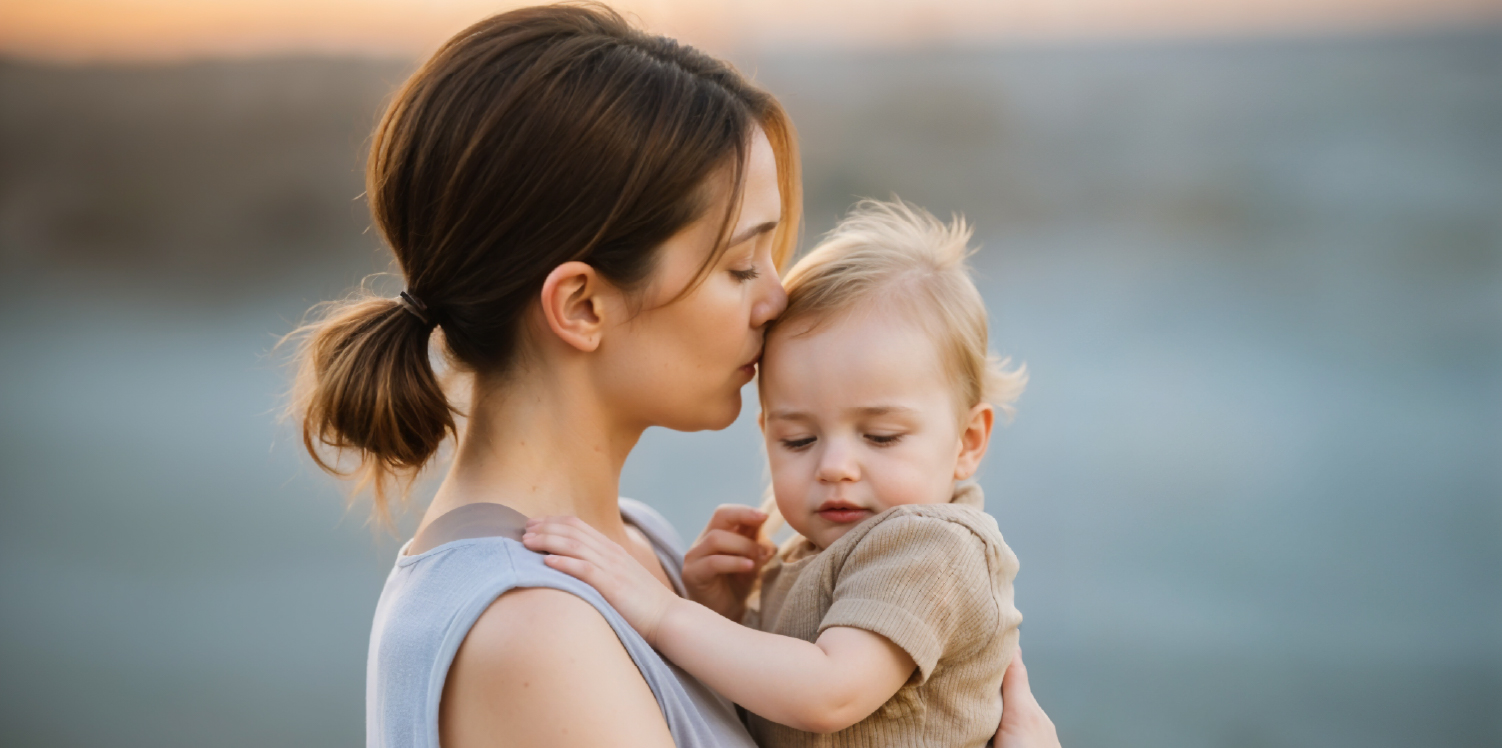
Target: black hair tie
(414,306)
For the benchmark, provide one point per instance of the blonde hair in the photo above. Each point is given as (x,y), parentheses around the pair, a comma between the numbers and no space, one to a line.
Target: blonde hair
(894,252)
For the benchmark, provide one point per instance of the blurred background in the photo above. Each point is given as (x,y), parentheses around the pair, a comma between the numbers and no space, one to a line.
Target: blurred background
(1250,253)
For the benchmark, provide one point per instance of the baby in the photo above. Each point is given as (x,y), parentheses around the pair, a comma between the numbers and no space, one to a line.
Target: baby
(888,618)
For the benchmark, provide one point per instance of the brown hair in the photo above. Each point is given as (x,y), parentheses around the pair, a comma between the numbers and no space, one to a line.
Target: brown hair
(530,139)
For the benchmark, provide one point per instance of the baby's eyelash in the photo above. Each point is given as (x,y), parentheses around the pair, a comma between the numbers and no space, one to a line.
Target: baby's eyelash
(797,444)
(747,274)
(883,440)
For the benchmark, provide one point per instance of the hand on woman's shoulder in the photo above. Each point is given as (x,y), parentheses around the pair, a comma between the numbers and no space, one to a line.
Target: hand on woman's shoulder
(542,667)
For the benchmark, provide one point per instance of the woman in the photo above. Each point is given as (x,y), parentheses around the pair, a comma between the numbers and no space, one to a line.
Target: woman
(594,217)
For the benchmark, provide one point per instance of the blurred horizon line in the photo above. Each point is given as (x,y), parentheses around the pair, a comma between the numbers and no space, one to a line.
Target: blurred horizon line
(798,47)
(106,31)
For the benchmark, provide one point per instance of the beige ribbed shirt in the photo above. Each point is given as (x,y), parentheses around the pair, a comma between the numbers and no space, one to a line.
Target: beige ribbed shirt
(934,579)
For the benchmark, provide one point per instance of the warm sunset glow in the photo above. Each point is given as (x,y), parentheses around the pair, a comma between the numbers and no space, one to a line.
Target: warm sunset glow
(166,29)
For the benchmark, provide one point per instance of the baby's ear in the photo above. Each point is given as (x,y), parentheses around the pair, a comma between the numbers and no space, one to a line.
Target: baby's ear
(761,421)
(975,437)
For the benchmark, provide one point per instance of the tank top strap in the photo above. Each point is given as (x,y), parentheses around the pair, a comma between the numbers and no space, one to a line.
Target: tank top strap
(665,541)
(480,520)
(491,520)
(451,573)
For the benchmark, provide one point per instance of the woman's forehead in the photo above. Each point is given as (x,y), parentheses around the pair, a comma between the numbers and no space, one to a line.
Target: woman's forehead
(761,199)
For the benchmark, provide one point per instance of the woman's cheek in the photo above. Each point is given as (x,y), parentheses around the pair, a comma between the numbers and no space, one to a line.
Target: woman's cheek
(711,324)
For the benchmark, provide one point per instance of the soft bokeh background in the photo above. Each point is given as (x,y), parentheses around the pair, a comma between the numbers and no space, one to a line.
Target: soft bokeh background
(1253,262)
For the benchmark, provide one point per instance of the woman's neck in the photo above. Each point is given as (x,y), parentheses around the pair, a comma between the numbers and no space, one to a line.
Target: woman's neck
(542,445)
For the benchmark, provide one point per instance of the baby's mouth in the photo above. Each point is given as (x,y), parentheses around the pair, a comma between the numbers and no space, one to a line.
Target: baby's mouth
(842,512)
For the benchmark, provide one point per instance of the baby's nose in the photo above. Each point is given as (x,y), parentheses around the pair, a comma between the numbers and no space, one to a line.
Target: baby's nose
(838,465)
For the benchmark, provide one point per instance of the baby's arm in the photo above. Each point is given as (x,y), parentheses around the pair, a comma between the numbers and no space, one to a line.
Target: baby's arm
(823,686)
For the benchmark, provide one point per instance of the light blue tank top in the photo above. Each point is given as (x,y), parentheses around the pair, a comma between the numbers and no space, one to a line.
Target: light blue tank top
(432,598)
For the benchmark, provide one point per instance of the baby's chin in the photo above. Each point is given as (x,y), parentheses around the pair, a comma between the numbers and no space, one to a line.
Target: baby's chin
(828,535)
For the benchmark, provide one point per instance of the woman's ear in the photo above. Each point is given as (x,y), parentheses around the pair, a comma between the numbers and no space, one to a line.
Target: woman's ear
(975,437)
(573,306)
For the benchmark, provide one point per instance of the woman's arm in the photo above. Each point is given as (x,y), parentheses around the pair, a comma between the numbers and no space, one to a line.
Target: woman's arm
(1024,724)
(823,686)
(542,668)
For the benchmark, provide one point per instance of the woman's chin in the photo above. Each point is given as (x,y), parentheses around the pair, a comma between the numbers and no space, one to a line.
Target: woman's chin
(727,414)
(711,417)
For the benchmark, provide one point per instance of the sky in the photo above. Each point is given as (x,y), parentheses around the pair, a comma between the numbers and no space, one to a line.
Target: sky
(86,30)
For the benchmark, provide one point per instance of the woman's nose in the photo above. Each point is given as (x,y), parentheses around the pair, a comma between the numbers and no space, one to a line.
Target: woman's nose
(772,302)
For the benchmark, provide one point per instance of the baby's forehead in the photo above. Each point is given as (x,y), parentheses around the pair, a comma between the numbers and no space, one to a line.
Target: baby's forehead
(858,319)
(871,322)
(855,352)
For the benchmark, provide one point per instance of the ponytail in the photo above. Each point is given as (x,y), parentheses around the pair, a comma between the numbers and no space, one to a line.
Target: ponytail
(366,386)
(535,137)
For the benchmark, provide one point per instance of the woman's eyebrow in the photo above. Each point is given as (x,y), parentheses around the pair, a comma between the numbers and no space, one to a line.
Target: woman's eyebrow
(759,228)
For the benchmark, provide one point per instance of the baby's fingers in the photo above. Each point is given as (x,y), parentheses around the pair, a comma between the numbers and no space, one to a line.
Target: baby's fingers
(576,530)
(584,571)
(736,518)
(712,565)
(726,543)
(571,555)
(569,536)
(557,541)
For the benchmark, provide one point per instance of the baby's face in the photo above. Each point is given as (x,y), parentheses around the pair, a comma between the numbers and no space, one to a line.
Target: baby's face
(859,416)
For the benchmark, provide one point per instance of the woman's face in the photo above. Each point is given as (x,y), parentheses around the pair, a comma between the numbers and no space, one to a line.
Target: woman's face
(681,363)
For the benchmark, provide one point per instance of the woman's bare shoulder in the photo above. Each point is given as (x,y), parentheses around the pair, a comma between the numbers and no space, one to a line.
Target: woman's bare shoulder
(542,667)
(521,623)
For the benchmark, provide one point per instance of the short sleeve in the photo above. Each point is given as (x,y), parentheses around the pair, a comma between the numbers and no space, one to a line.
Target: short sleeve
(923,583)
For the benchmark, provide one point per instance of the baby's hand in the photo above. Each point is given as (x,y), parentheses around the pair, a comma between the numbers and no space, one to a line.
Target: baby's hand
(720,569)
(582,551)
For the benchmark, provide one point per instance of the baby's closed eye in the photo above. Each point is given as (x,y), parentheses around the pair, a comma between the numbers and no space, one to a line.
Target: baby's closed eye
(799,443)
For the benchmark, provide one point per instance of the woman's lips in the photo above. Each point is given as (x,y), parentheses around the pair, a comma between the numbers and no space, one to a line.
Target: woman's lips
(750,369)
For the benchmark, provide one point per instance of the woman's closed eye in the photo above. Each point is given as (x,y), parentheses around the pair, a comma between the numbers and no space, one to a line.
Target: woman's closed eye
(746,275)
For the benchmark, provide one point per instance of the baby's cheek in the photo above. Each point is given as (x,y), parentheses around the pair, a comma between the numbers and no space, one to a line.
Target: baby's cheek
(905,484)
(791,493)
